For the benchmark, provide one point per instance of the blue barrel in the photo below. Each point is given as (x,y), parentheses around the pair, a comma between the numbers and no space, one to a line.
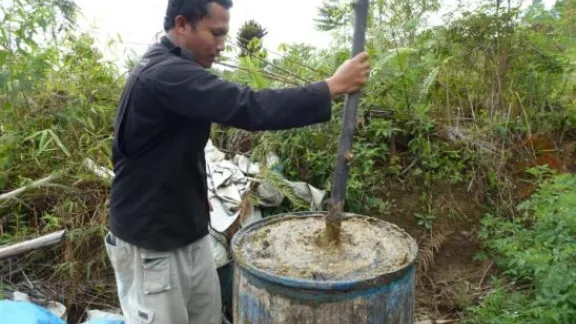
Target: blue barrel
(262,296)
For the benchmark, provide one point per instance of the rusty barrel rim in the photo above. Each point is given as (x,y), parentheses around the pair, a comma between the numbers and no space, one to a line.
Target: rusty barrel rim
(298,283)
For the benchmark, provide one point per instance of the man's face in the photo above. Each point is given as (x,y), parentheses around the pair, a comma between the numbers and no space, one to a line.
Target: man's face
(206,39)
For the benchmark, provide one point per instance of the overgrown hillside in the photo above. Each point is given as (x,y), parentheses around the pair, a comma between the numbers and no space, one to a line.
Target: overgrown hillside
(452,123)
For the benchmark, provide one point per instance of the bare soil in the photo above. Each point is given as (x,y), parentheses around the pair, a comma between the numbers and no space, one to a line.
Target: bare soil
(449,278)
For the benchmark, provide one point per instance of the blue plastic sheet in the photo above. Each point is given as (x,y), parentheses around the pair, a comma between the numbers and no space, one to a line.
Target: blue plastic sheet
(26,313)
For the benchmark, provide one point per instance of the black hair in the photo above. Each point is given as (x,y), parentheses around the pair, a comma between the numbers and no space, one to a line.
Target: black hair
(192,10)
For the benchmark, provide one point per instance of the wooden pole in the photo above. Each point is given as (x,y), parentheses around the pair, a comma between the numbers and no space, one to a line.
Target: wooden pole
(336,204)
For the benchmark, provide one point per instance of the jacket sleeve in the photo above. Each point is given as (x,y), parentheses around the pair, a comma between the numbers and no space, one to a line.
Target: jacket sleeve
(193,92)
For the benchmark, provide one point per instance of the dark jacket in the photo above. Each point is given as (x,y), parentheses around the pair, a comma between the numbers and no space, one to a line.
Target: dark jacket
(159,197)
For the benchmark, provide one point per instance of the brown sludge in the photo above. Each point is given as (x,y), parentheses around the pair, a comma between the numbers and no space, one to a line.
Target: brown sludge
(298,248)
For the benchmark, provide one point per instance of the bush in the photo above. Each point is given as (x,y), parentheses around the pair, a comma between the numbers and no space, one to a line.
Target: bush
(538,248)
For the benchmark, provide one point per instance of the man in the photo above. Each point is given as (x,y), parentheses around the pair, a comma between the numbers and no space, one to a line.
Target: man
(158,243)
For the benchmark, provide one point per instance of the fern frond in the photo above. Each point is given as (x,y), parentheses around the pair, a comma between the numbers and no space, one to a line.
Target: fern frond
(428,250)
(427,84)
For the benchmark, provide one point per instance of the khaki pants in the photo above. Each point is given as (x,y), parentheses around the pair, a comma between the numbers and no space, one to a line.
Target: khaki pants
(176,287)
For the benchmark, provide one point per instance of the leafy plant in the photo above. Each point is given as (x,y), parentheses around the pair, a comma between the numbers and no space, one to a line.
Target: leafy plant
(425,220)
(539,248)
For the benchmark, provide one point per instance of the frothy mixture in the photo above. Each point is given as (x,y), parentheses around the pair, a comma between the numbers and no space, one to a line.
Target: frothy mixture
(296,248)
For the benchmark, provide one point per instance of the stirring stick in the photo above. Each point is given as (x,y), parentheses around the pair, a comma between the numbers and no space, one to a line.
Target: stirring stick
(336,204)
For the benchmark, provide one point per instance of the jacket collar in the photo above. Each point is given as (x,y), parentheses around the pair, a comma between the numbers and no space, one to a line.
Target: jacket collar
(176,50)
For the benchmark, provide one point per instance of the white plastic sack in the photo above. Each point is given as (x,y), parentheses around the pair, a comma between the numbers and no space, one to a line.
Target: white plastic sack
(96,316)
(219,251)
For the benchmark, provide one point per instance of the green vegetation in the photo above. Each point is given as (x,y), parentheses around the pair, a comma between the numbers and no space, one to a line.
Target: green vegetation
(537,250)
(451,124)
(57,104)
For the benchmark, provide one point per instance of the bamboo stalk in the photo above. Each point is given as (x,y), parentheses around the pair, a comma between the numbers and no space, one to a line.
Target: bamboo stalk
(336,204)
(35,184)
(33,244)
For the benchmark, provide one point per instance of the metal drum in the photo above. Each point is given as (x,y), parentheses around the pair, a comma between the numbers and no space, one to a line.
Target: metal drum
(374,293)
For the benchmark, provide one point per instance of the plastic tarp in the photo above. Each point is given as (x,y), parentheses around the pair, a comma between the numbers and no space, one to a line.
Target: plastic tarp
(229,181)
(23,312)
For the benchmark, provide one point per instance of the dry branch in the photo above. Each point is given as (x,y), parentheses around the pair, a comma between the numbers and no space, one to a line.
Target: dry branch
(33,244)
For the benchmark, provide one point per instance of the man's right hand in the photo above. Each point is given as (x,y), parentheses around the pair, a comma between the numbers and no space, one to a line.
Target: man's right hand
(350,76)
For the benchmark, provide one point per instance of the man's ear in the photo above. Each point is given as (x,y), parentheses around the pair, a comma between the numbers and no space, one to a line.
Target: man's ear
(180,24)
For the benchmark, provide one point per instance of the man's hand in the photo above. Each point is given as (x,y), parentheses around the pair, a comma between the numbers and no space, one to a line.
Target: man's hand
(350,76)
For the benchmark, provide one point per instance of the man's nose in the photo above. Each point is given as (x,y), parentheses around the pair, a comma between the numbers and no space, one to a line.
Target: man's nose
(220,46)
